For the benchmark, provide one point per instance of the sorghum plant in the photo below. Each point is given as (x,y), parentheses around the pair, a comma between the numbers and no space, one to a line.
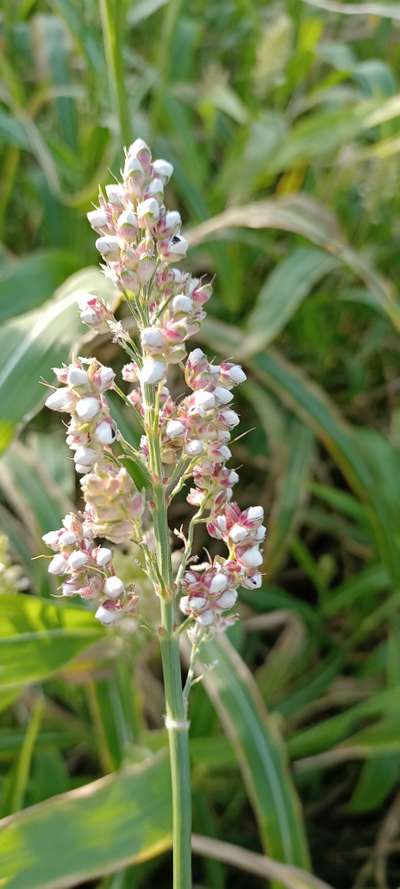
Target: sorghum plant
(183,438)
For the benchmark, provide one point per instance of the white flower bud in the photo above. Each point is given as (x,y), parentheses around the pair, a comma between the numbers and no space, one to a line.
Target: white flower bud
(127,224)
(228,599)
(103,556)
(233,477)
(58,564)
(60,400)
(115,194)
(255,513)
(163,169)
(148,211)
(107,615)
(203,400)
(218,583)
(82,468)
(174,429)
(195,357)
(260,533)
(77,376)
(85,456)
(77,560)
(206,618)
(152,338)
(236,374)
(87,408)
(184,604)
(222,395)
(230,418)
(238,533)
(197,603)
(67,538)
(98,219)
(140,149)
(182,303)
(172,222)
(109,247)
(225,452)
(156,188)
(51,539)
(105,378)
(253,582)
(104,433)
(69,589)
(252,557)
(113,587)
(152,371)
(177,248)
(194,448)
(132,167)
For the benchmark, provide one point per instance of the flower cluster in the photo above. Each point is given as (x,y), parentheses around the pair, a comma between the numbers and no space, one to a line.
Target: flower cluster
(139,241)
(88,569)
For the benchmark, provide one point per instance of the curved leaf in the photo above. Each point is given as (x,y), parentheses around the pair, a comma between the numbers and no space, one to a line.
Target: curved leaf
(118,820)
(260,751)
(38,638)
(34,343)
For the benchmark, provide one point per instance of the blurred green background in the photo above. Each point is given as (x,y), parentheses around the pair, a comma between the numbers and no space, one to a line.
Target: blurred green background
(282,120)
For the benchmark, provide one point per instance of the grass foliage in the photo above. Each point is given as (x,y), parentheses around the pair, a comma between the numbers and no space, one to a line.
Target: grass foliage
(283,123)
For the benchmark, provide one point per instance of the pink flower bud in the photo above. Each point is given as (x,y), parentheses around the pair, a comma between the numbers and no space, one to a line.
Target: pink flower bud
(87,408)
(107,615)
(140,150)
(127,224)
(52,539)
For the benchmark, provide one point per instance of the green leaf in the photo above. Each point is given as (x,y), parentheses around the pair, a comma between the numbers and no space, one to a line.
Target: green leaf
(304,216)
(34,343)
(261,753)
(290,495)
(38,638)
(282,293)
(118,820)
(27,283)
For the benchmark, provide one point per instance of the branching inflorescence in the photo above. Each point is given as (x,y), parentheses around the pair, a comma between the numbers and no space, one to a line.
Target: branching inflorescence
(188,438)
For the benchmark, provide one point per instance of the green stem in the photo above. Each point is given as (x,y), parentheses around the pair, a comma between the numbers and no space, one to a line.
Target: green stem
(175,704)
(110,11)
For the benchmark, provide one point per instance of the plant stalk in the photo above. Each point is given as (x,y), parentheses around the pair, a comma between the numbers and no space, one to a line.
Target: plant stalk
(111,15)
(175,704)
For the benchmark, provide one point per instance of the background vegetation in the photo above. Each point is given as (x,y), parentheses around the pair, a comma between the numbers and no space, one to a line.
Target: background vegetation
(283,122)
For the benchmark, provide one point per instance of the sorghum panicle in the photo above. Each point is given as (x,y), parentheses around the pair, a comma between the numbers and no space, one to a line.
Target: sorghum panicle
(140,242)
